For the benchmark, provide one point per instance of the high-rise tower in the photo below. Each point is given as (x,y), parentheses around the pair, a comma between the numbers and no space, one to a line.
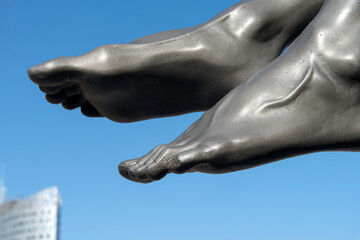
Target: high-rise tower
(34,218)
(2,191)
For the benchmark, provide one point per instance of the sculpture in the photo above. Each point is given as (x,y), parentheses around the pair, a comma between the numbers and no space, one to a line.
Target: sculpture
(306,100)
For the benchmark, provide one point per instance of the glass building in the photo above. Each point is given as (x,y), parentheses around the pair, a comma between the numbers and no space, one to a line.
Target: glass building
(34,218)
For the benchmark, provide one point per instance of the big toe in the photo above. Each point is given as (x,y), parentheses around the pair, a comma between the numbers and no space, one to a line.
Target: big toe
(189,160)
(124,170)
(54,72)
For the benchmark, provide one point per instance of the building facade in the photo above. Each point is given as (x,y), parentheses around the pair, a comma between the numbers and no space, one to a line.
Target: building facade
(34,218)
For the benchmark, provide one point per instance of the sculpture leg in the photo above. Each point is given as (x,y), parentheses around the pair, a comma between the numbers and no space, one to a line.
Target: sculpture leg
(305,101)
(150,77)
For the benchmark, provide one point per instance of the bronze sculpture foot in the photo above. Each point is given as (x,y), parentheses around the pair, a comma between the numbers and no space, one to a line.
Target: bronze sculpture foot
(307,100)
(178,71)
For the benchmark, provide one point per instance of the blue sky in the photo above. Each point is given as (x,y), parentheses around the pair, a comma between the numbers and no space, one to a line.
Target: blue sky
(310,197)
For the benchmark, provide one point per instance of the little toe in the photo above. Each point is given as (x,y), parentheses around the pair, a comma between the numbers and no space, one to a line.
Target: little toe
(89,110)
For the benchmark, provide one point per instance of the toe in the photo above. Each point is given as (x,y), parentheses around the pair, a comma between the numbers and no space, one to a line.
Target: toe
(73,102)
(55,90)
(158,166)
(164,154)
(56,98)
(130,172)
(141,161)
(156,172)
(137,173)
(53,73)
(89,110)
(62,95)
(186,160)
(148,158)
(136,170)
(140,173)
(124,167)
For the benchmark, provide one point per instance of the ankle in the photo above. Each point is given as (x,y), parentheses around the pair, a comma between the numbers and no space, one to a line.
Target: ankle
(267,19)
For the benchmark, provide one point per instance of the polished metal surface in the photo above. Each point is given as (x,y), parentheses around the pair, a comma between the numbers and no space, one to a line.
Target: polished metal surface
(268,106)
